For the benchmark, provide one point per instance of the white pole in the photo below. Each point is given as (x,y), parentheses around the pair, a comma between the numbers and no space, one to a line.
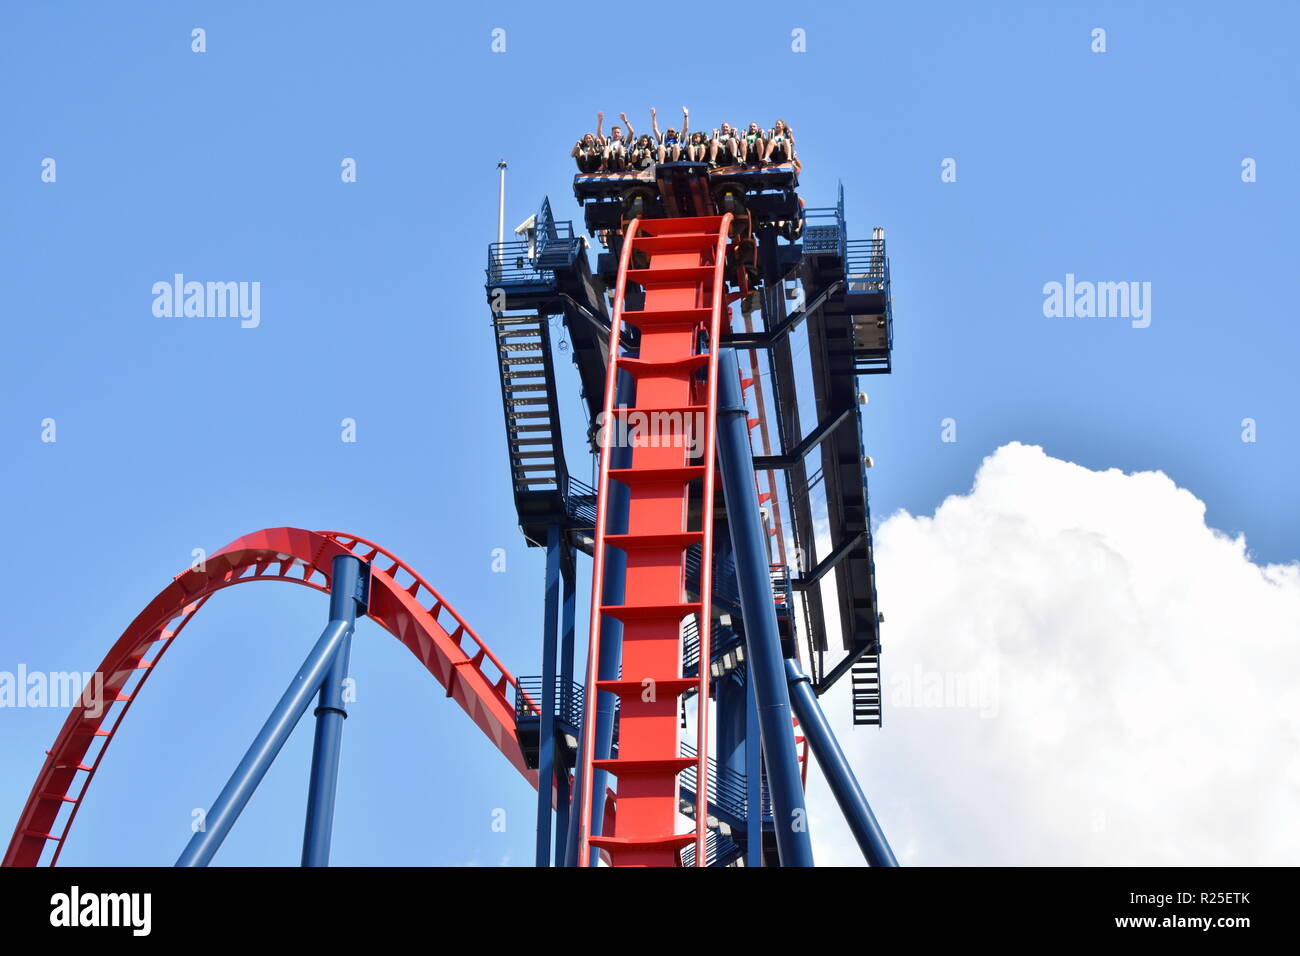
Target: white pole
(501,221)
(501,204)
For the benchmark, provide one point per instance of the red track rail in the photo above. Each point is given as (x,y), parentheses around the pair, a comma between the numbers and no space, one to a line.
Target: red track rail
(401,602)
(684,285)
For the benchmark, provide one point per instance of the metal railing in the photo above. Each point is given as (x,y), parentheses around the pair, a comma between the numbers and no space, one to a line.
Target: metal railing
(568,699)
(691,642)
(824,231)
(725,588)
(718,851)
(533,260)
(866,266)
(727,789)
(580,502)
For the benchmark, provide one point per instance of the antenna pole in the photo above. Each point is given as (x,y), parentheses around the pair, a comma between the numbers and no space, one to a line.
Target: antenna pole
(501,203)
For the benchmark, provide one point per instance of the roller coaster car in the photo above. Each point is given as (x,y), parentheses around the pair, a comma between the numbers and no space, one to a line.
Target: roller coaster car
(641,202)
(765,194)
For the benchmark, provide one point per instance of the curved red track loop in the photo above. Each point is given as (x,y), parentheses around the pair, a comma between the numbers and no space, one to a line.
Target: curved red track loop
(401,601)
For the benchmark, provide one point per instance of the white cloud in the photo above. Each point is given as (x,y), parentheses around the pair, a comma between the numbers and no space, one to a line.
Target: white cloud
(1077,671)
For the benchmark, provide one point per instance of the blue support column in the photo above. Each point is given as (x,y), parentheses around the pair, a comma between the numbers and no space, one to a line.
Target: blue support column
(762,642)
(753,776)
(562,790)
(839,775)
(546,739)
(331,711)
(611,637)
(234,796)
(729,728)
(730,723)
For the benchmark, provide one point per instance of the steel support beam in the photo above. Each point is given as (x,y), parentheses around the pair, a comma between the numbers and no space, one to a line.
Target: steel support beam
(843,667)
(808,580)
(753,776)
(815,438)
(346,598)
(769,337)
(270,739)
(730,725)
(563,817)
(839,775)
(546,737)
(762,642)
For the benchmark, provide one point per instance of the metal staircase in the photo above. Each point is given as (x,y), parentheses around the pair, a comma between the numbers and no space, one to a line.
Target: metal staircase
(865,678)
(537,469)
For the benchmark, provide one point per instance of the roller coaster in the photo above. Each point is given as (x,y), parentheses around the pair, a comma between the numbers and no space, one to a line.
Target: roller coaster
(686,739)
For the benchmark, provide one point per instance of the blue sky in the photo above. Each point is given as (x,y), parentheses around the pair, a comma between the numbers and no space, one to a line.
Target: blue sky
(175,434)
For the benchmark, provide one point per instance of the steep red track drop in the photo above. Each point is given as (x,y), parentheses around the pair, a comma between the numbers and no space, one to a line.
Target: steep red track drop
(401,602)
(683,280)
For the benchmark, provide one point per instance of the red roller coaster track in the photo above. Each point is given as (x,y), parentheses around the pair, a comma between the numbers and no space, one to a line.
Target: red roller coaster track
(680,265)
(401,601)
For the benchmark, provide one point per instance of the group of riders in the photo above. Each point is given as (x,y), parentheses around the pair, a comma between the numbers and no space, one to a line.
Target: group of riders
(623,150)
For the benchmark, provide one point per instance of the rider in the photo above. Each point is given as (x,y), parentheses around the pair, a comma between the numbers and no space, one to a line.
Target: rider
(670,144)
(616,148)
(726,144)
(588,153)
(643,152)
(780,144)
(697,148)
(752,145)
